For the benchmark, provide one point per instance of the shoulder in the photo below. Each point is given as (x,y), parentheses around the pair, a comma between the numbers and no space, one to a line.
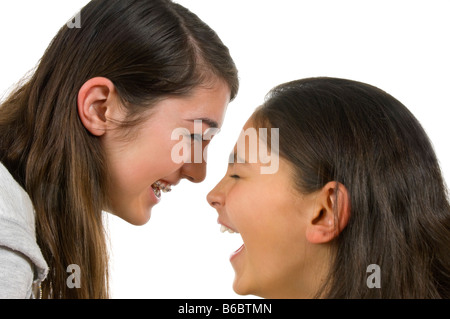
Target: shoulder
(15,204)
(16,275)
(18,230)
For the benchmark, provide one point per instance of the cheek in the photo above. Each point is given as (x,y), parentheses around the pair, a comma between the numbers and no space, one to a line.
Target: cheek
(142,164)
(254,215)
(274,244)
(242,209)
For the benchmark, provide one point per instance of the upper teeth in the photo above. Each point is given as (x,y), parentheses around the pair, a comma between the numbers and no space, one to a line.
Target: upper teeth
(160,186)
(163,186)
(224,228)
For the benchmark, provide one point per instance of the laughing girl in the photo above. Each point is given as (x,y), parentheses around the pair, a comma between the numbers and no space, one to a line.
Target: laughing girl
(90,130)
(358,190)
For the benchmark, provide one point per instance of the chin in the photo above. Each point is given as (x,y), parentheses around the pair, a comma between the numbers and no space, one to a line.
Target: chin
(241,288)
(141,219)
(136,218)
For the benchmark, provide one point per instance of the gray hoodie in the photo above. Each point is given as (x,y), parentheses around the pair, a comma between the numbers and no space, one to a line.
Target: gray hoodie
(22,266)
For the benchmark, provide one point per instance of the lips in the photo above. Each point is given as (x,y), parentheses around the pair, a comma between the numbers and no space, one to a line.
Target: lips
(237,251)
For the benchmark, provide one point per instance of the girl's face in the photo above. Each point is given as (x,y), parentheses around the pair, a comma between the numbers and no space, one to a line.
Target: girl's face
(154,152)
(276,260)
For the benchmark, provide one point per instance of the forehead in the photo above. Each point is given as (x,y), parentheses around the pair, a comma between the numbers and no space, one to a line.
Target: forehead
(253,147)
(207,104)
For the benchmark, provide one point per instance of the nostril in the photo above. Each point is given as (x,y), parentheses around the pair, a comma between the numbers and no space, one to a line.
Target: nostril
(216,197)
(193,179)
(212,200)
(214,204)
(194,172)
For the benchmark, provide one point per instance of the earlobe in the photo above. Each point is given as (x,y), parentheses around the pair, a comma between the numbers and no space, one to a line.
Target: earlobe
(95,99)
(330,215)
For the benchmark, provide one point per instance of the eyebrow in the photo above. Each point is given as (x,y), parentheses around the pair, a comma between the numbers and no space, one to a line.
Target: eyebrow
(209,122)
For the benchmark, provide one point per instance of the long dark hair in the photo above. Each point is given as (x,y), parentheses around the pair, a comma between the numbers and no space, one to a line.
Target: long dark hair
(149,50)
(341,130)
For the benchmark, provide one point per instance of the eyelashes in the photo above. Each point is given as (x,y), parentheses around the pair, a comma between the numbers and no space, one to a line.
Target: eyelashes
(235,176)
(196,137)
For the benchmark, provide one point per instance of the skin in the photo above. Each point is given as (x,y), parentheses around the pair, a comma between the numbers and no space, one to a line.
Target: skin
(135,164)
(286,234)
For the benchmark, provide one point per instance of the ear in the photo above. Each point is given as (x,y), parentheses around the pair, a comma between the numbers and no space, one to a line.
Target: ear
(330,214)
(96,103)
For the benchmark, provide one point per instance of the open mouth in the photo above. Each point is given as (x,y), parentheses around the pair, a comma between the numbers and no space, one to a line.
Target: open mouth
(161,186)
(225,228)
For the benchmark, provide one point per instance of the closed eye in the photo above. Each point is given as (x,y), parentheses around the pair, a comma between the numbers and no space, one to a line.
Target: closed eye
(235,176)
(196,137)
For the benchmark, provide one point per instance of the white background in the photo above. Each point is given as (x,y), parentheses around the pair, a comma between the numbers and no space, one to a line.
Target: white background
(400,46)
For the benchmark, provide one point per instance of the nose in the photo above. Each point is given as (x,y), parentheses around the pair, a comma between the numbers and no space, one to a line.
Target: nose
(216,197)
(194,172)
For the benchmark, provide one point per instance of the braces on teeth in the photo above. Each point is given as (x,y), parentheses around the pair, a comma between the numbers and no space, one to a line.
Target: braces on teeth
(163,186)
(160,186)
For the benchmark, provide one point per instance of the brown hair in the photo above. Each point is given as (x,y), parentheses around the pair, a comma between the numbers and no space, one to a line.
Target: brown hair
(358,135)
(149,50)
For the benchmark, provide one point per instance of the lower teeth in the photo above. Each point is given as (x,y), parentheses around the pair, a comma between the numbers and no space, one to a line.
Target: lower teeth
(157,191)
